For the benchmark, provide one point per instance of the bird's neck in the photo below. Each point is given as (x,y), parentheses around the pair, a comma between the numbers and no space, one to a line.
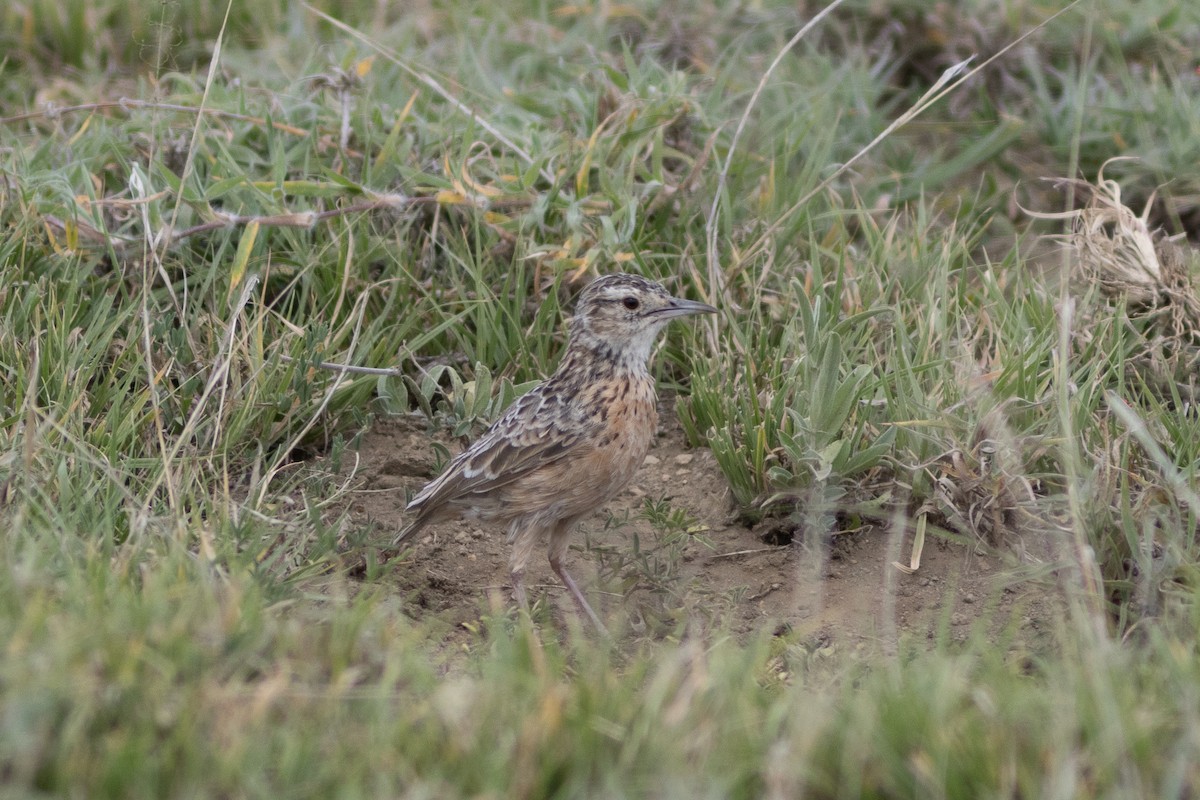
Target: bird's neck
(586,352)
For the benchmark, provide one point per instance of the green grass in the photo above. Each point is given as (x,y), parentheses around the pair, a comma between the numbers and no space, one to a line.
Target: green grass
(182,611)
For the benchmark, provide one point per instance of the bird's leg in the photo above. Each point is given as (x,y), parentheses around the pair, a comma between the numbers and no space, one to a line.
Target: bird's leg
(558,546)
(580,600)
(518,587)
(523,536)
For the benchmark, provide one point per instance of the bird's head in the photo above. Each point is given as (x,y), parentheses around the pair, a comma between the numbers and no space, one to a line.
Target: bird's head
(622,314)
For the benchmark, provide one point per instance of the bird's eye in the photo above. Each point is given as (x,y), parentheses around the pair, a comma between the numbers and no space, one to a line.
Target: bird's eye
(631,303)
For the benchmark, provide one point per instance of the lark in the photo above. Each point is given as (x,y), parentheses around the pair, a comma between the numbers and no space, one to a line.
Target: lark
(572,442)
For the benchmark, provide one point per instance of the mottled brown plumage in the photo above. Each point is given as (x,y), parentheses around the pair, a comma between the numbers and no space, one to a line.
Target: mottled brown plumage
(572,442)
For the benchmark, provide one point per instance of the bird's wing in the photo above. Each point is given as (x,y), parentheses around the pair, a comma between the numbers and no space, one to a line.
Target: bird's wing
(538,429)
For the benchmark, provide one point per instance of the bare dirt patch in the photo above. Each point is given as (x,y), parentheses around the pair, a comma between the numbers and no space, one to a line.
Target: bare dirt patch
(647,575)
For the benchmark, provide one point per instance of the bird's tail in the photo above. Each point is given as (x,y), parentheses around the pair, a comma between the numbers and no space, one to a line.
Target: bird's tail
(408,530)
(421,518)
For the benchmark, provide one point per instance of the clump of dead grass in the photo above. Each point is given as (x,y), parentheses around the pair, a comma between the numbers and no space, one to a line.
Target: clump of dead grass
(981,498)
(1116,251)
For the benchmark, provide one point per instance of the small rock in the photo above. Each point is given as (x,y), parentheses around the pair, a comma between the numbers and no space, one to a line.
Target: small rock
(968,598)
(683,459)
(460,537)
(652,460)
(957,619)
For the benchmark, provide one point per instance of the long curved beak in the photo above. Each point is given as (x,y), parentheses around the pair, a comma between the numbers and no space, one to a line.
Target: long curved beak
(682,308)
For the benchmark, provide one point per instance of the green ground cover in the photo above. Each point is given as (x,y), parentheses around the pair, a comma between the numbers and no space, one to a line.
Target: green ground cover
(198,203)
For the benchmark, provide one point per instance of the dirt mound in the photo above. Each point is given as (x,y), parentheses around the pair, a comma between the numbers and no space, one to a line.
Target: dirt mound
(669,549)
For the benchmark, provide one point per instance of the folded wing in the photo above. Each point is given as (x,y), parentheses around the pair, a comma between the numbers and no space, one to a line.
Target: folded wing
(538,429)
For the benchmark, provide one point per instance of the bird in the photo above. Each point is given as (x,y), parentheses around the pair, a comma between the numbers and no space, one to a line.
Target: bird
(573,441)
